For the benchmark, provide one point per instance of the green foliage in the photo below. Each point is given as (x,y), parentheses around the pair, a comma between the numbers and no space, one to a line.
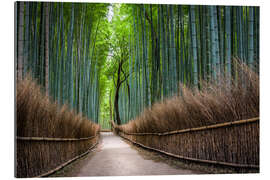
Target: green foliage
(169,44)
(158,46)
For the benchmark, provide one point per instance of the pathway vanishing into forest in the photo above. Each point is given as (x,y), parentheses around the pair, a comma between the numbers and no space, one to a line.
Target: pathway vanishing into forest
(115,157)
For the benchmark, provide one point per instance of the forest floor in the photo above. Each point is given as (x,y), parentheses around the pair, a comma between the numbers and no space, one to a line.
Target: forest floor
(116,157)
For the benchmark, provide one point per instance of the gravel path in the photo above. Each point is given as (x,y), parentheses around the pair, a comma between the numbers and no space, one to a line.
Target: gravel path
(115,157)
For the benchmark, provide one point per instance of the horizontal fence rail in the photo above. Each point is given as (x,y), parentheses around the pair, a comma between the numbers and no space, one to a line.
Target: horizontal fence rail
(52,139)
(195,129)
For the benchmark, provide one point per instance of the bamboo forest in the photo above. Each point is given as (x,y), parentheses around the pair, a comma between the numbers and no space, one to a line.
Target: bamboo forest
(180,80)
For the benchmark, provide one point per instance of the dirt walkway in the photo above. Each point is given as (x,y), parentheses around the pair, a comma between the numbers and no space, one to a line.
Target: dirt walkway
(114,157)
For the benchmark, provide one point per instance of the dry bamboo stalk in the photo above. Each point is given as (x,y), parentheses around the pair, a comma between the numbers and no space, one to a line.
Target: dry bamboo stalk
(53,139)
(194,159)
(196,129)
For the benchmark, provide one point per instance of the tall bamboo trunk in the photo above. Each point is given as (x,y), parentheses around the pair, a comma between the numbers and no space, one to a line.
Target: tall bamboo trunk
(215,42)
(250,37)
(40,60)
(20,41)
(228,42)
(26,48)
(47,10)
(194,46)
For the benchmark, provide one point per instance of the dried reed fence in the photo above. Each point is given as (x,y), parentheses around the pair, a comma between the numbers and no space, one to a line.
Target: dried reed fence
(48,137)
(217,124)
(38,157)
(233,144)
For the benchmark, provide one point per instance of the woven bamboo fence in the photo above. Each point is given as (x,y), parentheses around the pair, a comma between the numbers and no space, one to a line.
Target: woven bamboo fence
(39,156)
(234,144)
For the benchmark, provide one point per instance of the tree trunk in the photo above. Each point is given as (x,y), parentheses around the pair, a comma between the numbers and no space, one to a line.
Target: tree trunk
(110,102)
(118,121)
(116,107)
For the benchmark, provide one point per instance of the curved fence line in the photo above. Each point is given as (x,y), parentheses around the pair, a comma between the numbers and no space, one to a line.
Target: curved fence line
(194,159)
(154,141)
(194,129)
(53,139)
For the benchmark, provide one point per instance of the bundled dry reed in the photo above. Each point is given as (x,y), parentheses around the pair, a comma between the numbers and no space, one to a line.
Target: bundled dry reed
(38,117)
(215,104)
